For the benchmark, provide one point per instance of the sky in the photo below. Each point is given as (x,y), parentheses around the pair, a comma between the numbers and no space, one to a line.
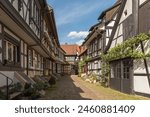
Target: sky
(75,17)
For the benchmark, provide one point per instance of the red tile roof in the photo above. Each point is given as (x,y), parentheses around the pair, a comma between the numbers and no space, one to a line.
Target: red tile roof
(71,49)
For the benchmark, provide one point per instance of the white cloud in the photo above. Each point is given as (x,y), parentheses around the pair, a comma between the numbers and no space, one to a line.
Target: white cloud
(78,35)
(79,42)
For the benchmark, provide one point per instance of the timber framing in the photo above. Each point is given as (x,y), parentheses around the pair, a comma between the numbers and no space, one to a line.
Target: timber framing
(124,20)
(25,40)
(120,11)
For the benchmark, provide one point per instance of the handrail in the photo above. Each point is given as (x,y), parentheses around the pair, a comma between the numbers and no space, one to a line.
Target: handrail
(7,77)
(7,84)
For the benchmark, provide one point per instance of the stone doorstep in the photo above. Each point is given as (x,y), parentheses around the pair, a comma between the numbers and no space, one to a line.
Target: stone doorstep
(14,95)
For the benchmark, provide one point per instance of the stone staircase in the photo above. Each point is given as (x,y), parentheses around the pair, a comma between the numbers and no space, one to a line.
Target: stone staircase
(12,87)
(6,87)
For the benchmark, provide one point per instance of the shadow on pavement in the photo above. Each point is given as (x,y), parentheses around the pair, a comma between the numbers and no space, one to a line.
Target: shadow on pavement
(65,89)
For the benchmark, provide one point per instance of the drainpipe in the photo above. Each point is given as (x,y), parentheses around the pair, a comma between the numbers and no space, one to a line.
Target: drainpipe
(135,12)
(135,6)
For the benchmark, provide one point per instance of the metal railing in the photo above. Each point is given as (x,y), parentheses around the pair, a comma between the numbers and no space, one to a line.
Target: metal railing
(7,84)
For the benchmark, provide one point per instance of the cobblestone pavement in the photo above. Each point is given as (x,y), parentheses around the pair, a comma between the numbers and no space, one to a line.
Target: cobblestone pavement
(74,88)
(69,88)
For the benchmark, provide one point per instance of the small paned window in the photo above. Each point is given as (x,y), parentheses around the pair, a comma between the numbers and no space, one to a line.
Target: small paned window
(11,52)
(126,69)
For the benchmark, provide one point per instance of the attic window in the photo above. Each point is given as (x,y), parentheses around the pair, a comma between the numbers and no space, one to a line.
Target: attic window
(125,12)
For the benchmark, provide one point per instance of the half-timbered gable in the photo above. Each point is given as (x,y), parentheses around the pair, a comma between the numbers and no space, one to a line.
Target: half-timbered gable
(131,75)
(71,58)
(30,11)
(108,18)
(120,78)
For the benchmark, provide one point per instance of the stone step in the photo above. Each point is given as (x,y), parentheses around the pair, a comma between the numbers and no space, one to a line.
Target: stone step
(15,95)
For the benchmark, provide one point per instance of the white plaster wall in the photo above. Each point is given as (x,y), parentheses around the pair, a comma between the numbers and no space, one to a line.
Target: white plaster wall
(128,8)
(148,62)
(111,23)
(120,40)
(116,41)
(147,46)
(10,33)
(119,31)
(15,4)
(113,43)
(139,66)
(107,39)
(141,84)
(10,74)
(108,32)
(141,1)
(25,64)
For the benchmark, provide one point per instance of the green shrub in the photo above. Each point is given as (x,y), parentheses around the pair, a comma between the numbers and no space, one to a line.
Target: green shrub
(2,95)
(52,81)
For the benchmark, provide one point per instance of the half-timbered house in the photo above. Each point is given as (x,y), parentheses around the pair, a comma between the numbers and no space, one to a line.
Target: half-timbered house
(98,38)
(71,58)
(93,43)
(29,43)
(128,74)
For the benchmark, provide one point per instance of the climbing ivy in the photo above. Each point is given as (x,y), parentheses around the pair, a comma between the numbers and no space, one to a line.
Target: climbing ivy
(125,49)
(105,70)
(81,63)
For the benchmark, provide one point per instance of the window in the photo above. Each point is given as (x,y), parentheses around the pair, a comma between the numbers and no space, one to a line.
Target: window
(99,44)
(41,66)
(35,14)
(126,69)
(38,61)
(11,52)
(35,17)
(116,70)
(70,58)
(30,58)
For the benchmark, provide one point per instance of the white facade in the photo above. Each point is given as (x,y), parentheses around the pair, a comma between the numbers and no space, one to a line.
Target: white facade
(140,82)
(142,1)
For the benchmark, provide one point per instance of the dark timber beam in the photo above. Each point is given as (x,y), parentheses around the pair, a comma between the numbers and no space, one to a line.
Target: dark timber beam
(136,32)
(115,25)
